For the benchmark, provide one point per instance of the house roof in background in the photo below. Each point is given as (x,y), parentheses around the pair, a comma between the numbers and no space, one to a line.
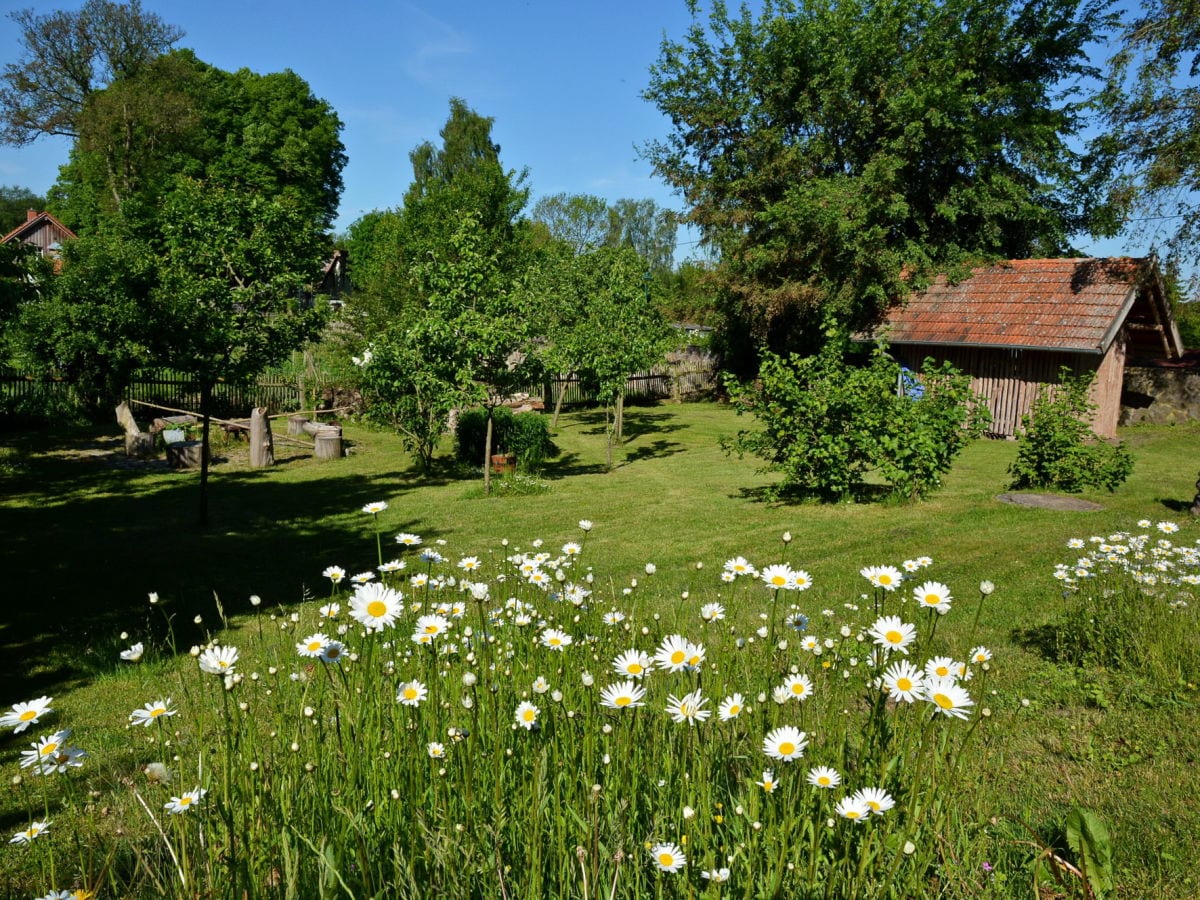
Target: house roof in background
(34,222)
(1075,305)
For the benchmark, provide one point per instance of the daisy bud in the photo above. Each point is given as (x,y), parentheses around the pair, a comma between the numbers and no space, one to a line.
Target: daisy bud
(271,670)
(787,537)
(124,635)
(295,747)
(689,813)
(607,729)
(308,712)
(253,767)
(395,794)
(153,598)
(309,767)
(243,706)
(255,600)
(909,848)
(469,679)
(986,587)
(198,620)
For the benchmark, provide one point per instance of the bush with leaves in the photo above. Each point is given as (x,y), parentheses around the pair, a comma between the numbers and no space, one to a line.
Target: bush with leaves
(526,436)
(1057,446)
(827,423)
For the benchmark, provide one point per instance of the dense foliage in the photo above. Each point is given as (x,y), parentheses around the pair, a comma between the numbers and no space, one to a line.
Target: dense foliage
(836,153)
(1057,448)
(526,436)
(827,423)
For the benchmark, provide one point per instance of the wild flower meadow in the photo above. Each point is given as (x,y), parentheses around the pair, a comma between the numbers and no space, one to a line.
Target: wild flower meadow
(507,722)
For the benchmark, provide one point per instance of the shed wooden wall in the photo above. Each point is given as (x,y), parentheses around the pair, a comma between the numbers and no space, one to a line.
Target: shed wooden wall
(1010,379)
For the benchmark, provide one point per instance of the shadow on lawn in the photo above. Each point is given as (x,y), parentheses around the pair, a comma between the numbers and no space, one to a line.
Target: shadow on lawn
(94,536)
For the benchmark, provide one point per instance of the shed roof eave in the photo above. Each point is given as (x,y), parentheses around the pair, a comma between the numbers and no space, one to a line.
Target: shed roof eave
(1040,348)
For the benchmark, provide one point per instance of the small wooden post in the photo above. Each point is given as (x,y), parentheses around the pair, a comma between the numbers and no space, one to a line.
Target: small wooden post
(296,425)
(262,448)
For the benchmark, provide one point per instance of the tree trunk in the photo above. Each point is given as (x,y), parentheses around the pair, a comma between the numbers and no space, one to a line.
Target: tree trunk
(619,416)
(558,401)
(262,446)
(487,456)
(205,404)
(608,430)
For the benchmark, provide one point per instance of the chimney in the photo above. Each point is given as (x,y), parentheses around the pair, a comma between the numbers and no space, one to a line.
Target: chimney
(31,214)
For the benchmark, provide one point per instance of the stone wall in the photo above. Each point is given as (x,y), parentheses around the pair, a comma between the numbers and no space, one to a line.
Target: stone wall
(1160,396)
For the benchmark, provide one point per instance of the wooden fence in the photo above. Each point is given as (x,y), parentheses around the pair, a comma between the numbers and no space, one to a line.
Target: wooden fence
(282,394)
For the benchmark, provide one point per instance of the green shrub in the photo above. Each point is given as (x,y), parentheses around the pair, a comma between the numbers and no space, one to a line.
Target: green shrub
(827,423)
(1057,447)
(526,435)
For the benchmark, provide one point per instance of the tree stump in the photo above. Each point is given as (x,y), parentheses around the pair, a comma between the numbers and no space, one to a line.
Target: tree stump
(262,446)
(137,443)
(185,455)
(296,425)
(328,442)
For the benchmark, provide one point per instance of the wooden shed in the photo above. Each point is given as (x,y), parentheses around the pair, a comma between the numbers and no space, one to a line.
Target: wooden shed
(1011,326)
(43,231)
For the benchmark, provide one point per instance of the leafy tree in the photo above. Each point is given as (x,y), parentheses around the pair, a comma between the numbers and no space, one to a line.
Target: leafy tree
(67,56)
(579,220)
(649,230)
(234,262)
(835,153)
(826,424)
(1152,105)
(15,203)
(1057,447)
(22,272)
(95,323)
(180,116)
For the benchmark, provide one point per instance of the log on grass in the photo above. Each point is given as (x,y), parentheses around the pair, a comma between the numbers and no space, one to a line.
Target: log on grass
(262,449)
(328,442)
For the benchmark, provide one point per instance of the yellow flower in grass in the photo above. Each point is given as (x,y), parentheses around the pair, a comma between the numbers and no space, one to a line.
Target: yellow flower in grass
(768,783)
(902,681)
(948,697)
(632,662)
(853,808)
(878,800)
(35,830)
(668,857)
(22,715)
(313,645)
(151,711)
(799,687)
(555,639)
(411,693)
(526,715)
(183,803)
(786,743)
(622,695)
(824,777)
(933,595)
(688,708)
(375,606)
(886,577)
(892,633)
(731,707)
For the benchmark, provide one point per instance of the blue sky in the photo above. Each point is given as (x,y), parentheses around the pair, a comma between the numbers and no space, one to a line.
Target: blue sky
(561,78)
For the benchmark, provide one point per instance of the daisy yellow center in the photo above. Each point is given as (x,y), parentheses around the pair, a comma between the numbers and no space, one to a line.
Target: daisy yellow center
(677,657)
(635,669)
(824,781)
(314,646)
(932,599)
(904,684)
(885,579)
(874,804)
(778,580)
(431,629)
(28,716)
(624,701)
(787,748)
(410,693)
(943,671)
(666,860)
(797,689)
(894,637)
(376,608)
(693,660)
(853,814)
(735,709)
(223,663)
(158,711)
(800,582)
(768,785)
(529,715)
(943,701)
(185,801)
(979,657)
(554,642)
(49,749)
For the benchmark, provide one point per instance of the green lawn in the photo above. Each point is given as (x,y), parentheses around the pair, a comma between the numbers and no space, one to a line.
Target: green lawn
(86,537)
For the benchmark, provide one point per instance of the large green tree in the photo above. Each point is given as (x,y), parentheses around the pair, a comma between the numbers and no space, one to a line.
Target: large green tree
(836,152)
(67,56)
(1152,105)
(234,262)
(15,202)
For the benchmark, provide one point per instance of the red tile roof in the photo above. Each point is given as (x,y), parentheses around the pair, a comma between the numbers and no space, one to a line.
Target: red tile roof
(1043,304)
